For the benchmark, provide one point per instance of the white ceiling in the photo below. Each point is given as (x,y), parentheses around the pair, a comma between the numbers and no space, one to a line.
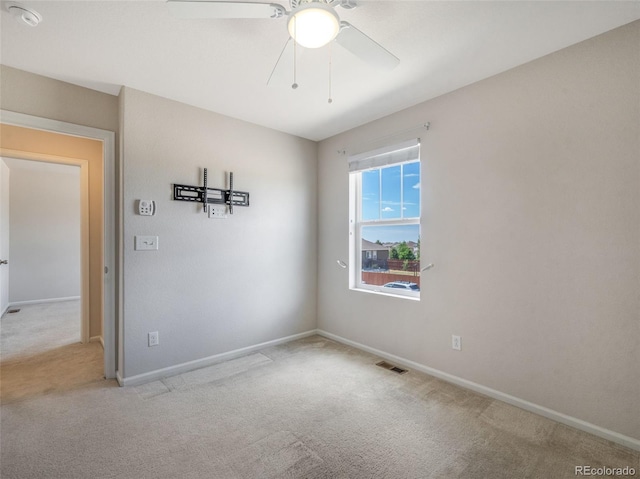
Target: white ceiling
(224,65)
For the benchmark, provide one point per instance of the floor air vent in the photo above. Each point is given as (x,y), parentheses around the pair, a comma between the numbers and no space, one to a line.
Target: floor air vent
(13,311)
(391,367)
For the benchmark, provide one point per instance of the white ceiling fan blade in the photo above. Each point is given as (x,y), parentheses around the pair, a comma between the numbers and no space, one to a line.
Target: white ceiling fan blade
(213,9)
(365,48)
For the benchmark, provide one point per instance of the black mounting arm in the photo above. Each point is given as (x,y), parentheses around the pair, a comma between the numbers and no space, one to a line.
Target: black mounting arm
(211,196)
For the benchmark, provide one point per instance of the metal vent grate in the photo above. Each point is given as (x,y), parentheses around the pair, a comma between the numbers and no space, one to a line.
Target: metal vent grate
(391,367)
(13,311)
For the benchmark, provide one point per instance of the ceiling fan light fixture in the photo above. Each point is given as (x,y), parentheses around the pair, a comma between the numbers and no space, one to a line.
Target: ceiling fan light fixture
(314,24)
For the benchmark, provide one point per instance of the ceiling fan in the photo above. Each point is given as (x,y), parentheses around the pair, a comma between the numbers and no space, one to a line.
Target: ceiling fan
(310,23)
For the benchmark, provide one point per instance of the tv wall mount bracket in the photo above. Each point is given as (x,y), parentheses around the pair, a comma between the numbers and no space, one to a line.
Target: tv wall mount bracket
(211,196)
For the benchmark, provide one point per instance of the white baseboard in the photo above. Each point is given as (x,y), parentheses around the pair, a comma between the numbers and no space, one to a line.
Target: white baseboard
(97,339)
(200,363)
(613,436)
(38,301)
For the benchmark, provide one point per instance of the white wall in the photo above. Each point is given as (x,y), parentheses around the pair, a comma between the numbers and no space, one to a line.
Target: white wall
(214,285)
(531,195)
(45,231)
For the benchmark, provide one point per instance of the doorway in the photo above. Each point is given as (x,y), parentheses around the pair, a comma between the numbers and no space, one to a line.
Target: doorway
(33,138)
(46,213)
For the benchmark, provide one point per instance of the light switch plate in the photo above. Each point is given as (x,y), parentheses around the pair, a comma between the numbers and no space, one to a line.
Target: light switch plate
(147,243)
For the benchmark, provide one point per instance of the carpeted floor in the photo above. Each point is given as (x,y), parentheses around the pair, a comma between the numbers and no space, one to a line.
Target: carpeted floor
(307,409)
(40,351)
(39,327)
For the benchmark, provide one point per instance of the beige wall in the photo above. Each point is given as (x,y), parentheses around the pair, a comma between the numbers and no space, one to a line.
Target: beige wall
(214,285)
(36,95)
(531,194)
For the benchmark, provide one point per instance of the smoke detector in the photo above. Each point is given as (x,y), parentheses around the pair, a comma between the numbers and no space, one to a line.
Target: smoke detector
(24,15)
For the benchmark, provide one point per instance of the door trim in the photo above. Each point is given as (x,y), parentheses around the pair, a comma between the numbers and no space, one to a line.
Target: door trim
(109,148)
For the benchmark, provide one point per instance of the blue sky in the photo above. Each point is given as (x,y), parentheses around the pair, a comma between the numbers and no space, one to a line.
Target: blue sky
(391,193)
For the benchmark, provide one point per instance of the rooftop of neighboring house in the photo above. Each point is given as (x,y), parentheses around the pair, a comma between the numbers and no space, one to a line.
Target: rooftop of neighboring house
(369,246)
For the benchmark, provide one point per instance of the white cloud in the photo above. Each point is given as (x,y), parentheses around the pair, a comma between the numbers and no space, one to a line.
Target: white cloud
(387,209)
(416,186)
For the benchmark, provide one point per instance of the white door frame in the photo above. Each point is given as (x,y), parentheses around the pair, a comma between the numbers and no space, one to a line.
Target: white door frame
(109,148)
(4,238)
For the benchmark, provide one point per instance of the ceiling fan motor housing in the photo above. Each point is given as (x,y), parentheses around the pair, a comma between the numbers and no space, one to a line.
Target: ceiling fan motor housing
(313,24)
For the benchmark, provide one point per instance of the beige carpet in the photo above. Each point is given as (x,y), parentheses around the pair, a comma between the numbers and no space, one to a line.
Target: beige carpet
(307,409)
(39,327)
(40,351)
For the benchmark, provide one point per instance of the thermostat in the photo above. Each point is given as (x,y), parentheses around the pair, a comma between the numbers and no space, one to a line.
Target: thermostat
(146,207)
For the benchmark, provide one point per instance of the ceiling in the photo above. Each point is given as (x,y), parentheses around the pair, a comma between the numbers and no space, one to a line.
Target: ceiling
(224,65)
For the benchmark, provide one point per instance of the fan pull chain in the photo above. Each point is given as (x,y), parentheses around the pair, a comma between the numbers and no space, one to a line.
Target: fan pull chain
(330,100)
(295,52)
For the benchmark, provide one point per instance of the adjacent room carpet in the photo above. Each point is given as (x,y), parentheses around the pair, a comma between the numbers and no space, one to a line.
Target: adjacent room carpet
(311,408)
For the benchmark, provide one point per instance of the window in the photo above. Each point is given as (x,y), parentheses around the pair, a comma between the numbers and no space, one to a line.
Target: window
(384,188)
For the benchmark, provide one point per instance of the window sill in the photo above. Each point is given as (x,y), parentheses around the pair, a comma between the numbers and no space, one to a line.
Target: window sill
(380,292)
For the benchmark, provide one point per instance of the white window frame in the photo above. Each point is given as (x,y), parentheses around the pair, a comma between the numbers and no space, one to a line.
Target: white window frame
(392,155)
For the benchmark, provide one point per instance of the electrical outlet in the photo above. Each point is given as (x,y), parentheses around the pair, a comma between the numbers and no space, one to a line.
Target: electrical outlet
(456,342)
(217,211)
(154,339)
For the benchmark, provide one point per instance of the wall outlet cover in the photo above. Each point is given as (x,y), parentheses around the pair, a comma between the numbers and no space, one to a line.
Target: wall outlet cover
(154,339)
(217,211)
